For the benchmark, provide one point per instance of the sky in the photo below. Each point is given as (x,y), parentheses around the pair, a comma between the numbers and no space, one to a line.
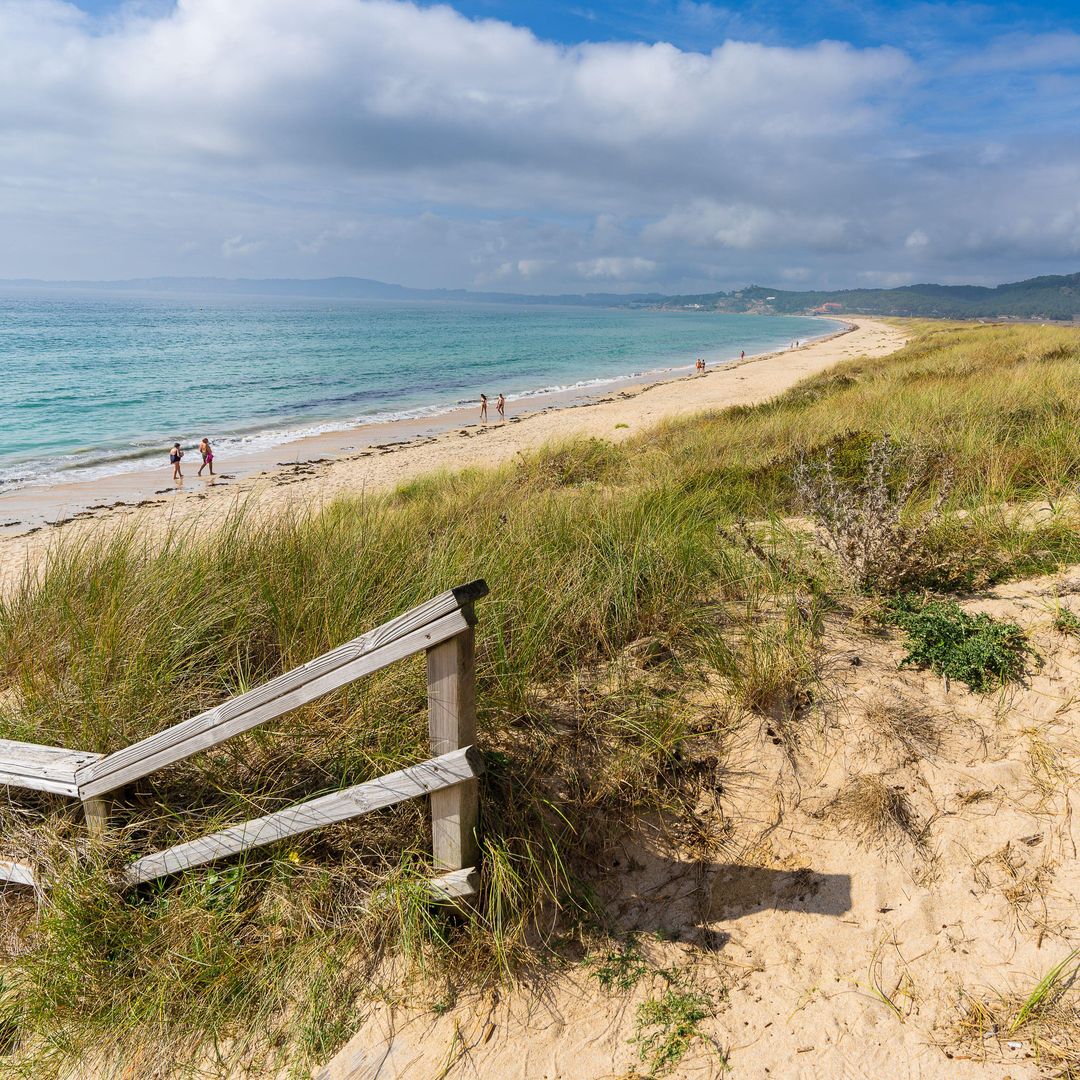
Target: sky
(665,145)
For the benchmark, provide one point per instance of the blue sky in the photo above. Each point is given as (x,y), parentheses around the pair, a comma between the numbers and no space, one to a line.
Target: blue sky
(666,145)
(921,27)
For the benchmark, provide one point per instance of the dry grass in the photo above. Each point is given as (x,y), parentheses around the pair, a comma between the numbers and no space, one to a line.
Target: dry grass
(878,814)
(1023,882)
(1048,773)
(905,723)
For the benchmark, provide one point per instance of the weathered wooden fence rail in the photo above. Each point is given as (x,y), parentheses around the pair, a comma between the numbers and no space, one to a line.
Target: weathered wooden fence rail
(442,627)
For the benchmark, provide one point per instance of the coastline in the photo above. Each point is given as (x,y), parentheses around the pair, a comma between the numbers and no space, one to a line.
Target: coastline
(276,376)
(381,457)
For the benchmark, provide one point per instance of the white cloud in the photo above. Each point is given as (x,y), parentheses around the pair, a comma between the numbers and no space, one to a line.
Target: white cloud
(746,227)
(616,268)
(883,279)
(236,247)
(392,140)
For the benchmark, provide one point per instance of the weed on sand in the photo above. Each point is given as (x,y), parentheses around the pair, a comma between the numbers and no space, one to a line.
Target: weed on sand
(878,813)
(668,1026)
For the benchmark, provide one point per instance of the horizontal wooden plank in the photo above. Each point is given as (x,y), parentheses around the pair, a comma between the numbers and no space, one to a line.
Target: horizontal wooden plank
(456,885)
(17,873)
(36,756)
(121,768)
(42,768)
(428,776)
(39,783)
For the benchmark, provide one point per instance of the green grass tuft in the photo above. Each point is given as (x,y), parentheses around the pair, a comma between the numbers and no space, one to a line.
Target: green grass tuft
(620,969)
(1049,987)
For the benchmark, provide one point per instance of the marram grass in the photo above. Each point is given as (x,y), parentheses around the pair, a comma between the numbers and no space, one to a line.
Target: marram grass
(587,547)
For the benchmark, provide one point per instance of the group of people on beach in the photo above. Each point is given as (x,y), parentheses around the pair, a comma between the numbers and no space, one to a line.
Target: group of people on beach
(699,363)
(205,451)
(176,453)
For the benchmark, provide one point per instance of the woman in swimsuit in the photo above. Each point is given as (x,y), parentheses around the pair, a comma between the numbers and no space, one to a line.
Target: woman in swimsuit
(500,407)
(207,457)
(483,407)
(175,454)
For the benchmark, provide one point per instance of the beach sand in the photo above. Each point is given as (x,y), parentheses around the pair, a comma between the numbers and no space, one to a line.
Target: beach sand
(818,957)
(384,456)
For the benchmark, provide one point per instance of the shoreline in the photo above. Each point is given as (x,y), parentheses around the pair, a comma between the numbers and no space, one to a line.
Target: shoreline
(28,508)
(398,451)
(250,433)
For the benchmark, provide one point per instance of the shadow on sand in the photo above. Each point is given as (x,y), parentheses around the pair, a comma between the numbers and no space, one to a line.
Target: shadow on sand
(690,901)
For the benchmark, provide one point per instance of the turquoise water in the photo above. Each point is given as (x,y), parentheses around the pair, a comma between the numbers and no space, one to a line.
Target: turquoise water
(96,384)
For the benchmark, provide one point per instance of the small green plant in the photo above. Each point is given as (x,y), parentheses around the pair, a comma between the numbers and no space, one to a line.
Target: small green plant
(620,969)
(668,1026)
(1047,991)
(1065,622)
(983,652)
(1047,1020)
(617,426)
(445,1003)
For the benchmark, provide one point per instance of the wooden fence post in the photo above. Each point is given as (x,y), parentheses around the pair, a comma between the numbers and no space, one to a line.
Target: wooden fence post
(96,812)
(451,675)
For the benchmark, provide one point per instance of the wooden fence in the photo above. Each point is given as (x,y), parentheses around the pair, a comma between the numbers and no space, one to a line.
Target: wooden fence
(443,627)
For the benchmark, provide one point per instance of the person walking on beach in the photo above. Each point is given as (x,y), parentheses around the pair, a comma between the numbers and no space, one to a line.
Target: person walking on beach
(207,456)
(483,407)
(175,454)
(742,355)
(500,407)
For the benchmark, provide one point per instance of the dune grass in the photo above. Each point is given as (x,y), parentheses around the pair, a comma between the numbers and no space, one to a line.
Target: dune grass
(588,547)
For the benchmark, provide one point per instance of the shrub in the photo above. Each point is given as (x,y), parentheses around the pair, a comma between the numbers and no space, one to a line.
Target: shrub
(879,545)
(981,651)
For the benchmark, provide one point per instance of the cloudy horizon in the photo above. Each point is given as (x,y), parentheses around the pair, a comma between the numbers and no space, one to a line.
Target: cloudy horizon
(700,148)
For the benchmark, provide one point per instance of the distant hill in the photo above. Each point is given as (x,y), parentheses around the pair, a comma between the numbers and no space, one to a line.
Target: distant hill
(337,288)
(1048,297)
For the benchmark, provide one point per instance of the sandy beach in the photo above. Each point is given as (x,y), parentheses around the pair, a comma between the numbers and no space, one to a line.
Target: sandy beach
(317,470)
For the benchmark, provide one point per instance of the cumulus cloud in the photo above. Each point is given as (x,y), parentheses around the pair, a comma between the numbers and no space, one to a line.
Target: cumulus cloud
(391,140)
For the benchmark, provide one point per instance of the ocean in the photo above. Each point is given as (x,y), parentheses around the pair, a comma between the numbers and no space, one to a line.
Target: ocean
(95,384)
